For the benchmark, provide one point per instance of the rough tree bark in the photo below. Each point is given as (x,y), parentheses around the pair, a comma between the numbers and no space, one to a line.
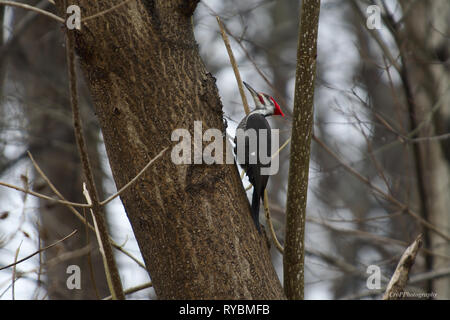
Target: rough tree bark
(192,222)
(294,250)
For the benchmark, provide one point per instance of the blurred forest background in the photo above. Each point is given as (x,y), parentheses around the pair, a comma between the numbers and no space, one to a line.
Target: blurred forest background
(380,167)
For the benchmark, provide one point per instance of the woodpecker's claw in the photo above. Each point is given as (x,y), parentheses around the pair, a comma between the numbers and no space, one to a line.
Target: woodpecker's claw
(225,126)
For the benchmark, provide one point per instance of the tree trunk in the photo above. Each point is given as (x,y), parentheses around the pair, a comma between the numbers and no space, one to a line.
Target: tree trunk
(428,59)
(294,254)
(192,222)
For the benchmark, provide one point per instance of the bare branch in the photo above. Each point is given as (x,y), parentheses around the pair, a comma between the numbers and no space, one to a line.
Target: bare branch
(118,193)
(43,196)
(31,8)
(234,65)
(401,274)
(247,54)
(39,251)
(269,222)
(78,215)
(13,281)
(97,209)
(281,148)
(134,289)
(379,191)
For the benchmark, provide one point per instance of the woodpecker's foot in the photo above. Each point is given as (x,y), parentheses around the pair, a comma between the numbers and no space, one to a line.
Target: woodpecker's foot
(266,238)
(225,126)
(258,227)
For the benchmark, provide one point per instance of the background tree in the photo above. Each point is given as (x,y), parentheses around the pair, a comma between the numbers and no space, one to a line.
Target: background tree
(44,119)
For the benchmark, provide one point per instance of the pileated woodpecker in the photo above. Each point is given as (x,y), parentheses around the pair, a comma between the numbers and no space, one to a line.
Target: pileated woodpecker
(251,162)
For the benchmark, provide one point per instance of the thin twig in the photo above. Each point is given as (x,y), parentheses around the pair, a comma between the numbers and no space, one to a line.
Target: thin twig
(31,8)
(101,245)
(249,57)
(435,274)
(379,191)
(98,211)
(65,256)
(234,65)
(128,254)
(43,196)
(78,215)
(373,237)
(19,29)
(341,264)
(134,289)
(281,148)
(14,272)
(402,139)
(269,222)
(118,193)
(39,251)
(83,219)
(53,262)
(54,189)
(41,259)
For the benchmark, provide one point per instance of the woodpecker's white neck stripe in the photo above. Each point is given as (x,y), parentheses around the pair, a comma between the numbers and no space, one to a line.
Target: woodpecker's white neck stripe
(263,111)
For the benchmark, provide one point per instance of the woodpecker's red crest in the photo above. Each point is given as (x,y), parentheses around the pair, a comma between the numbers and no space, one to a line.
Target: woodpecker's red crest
(277,108)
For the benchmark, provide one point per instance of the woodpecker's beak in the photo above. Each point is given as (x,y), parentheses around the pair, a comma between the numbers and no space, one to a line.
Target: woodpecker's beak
(252,91)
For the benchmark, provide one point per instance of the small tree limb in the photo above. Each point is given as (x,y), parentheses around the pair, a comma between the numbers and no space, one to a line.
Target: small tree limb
(234,65)
(39,251)
(104,202)
(43,196)
(294,247)
(270,225)
(134,289)
(401,275)
(32,8)
(97,209)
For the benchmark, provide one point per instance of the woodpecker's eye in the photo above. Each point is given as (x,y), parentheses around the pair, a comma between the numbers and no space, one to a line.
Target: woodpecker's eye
(261,99)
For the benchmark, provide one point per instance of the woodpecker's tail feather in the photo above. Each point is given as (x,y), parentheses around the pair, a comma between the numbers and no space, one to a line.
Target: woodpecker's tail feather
(255,208)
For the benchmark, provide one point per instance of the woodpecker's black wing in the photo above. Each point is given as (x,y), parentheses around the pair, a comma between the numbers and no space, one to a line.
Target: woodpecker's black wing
(257,143)
(258,123)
